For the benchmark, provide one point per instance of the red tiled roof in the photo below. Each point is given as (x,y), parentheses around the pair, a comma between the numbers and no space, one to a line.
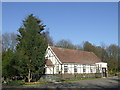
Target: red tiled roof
(49,63)
(75,56)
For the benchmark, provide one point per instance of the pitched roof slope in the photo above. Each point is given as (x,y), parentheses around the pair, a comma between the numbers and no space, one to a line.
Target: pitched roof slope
(75,56)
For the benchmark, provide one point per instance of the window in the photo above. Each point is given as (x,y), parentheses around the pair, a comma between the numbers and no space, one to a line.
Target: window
(65,69)
(91,70)
(75,69)
(97,69)
(46,57)
(57,69)
(84,68)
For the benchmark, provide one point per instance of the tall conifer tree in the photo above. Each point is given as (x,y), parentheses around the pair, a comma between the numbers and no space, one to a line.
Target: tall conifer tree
(31,47)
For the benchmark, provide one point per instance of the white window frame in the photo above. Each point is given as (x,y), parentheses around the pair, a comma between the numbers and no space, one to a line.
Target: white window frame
(57,69)
(75,69)
(91,70)
(65,69)
(84,68)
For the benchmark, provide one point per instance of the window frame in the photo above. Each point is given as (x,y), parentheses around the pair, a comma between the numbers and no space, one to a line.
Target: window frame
(65,68)
(57,69)
(75,69)
(84,68)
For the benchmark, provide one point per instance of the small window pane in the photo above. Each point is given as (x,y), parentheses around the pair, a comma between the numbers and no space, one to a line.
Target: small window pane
(84,68)
(65,69)
(75,69)
(57,69)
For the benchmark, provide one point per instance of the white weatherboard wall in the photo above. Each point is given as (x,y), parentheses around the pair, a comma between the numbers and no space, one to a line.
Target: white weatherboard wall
(79,68)
(50,55)
(49,70)
(101,65)
(59,66)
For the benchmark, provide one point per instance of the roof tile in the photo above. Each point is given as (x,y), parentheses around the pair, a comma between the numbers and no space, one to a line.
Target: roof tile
(75,56)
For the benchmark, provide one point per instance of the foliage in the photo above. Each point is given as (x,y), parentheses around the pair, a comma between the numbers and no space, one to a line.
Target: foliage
(9,41)
(68,44)
(8,69)
(108,54)
(102,54)
(65,44)
(31,47)
(48,38)
(112,51)
(90,48)
(15,83)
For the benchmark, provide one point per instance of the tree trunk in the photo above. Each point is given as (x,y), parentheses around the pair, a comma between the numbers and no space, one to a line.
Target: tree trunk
(29,78)
(29,73)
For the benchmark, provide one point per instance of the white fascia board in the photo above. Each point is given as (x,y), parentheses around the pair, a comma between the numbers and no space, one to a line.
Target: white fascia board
(55,55)
(100,62)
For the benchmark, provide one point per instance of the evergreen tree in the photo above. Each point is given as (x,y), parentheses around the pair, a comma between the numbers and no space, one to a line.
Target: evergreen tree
(90,48)
(8,69)
(31,47)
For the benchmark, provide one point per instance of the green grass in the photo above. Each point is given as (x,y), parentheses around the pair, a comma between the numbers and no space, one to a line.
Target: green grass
(20,82)
(70,80)
(15,83)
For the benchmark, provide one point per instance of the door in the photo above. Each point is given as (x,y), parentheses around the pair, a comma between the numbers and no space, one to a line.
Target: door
(104,74)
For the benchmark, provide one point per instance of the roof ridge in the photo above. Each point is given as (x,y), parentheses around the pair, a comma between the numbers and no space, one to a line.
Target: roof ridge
(71,49)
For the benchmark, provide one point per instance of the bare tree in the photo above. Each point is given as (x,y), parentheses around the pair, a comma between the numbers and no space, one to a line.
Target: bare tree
(78,47)
(112,51)
(48,38)
(65,44)
(9,41)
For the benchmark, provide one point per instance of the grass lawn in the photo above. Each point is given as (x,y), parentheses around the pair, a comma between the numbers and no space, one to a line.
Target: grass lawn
(22,82)
(70,80)
(14,83)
